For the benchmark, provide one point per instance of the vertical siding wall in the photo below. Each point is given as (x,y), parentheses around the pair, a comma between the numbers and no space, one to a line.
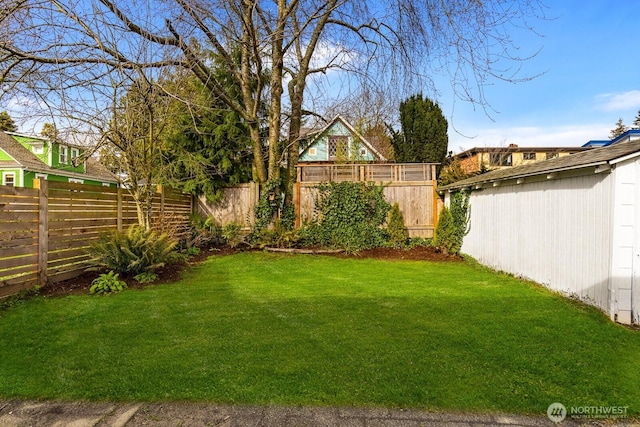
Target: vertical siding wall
(555,232)
(625,250)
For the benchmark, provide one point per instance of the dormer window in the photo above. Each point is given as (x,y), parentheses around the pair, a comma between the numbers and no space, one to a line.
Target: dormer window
(37,148)
(75,153)
(63,153)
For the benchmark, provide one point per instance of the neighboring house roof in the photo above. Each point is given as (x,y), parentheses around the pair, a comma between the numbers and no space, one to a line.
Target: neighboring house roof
(627,136)
(594,157)
(313,137)
(23,158)
(516,149)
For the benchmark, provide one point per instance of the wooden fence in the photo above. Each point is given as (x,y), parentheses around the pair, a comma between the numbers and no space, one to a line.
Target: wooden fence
(45,232)
(412,185)
(237,205)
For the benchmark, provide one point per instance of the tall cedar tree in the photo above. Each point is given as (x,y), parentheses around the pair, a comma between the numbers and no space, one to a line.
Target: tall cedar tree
(423,137)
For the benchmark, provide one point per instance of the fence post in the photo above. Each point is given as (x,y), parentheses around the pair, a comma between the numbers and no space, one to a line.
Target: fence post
(119,210)
(43,229)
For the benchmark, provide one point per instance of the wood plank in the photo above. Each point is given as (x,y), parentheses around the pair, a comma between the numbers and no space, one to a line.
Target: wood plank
(8,289)
(31,259)
(18,251)
(55,185)
(21,237)
(86,235)
(19,269)
(72,225)
(65,275)
(18,280)
(11,215)
(67,261)
(68,215)
(70,244)
(18,191)
(66,254)
(58,204)
(10,200)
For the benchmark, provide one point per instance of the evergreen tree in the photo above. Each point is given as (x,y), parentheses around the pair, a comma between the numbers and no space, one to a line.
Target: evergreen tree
(50,131)
(636,121)
(423,137)
(618,130)
(6,122)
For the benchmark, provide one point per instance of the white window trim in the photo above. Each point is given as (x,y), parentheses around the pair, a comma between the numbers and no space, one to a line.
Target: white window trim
(63,154)
(313,152)
(76,181)
(74,153)
(106,184)
(41,176)
(37,148)
(5,175)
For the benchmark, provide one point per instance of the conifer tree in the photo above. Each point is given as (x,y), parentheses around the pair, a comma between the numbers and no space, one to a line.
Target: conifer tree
(6,122)
(618,130)
(423,137)
(636,121)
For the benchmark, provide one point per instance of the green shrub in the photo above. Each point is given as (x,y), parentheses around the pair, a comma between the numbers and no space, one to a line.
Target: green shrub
(349,215)
(193,251)
(232,234)
(203,231)
(396,229)
(134,252)
(146,277)
(280,236)
(459,207)
(446,234)
(416,242)
(107,283)
(271,200)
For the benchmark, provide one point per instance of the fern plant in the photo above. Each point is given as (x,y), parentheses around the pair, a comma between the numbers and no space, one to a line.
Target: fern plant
(136,251)
(107,283)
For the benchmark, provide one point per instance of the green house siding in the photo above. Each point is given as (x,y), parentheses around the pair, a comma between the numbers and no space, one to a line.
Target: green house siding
(27,143)
(55,159)
(30,176)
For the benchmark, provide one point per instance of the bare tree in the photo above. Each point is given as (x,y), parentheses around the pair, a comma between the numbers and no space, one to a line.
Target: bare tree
(62,52)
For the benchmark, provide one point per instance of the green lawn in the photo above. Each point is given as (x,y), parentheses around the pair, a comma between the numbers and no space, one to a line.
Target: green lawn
(263,328)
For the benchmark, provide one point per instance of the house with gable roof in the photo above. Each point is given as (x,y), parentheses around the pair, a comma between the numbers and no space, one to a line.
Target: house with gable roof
(338,142)
(25,158)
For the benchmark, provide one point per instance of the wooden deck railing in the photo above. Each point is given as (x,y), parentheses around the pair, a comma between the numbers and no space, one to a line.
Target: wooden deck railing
(375,172)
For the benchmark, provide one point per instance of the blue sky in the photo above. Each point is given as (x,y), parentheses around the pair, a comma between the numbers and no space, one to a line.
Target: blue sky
(591,63)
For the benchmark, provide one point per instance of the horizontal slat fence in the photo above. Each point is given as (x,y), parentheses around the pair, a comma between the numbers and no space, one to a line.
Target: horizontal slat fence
(45,232)
(19,213)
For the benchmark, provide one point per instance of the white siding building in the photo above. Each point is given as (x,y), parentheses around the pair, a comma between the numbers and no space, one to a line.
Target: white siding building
(570,223)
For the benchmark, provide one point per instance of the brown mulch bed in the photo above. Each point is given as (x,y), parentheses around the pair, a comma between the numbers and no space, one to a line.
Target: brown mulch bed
(171,274)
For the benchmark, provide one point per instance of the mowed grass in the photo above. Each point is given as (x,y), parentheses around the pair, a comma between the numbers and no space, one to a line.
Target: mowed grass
(261,328)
